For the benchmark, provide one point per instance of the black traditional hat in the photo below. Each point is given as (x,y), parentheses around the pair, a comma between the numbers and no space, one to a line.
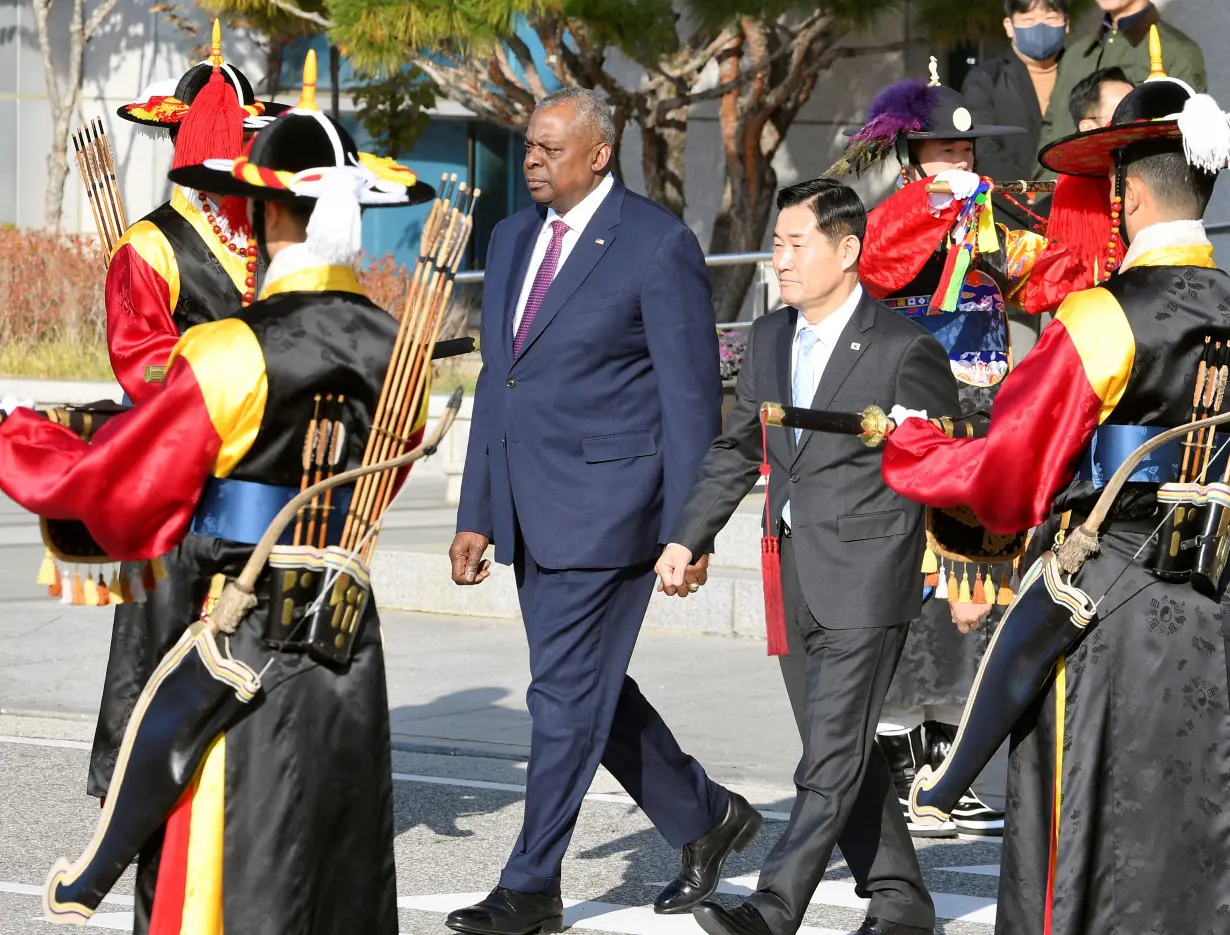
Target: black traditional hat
(912,110)
(305,158)
(1164,113)
(1161,114)
(164,104)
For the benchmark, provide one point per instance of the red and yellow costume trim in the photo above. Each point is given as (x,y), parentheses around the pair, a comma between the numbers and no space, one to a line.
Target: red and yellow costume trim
(188,895)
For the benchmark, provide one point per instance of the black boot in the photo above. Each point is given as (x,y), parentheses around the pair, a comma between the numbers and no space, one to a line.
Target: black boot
(905,753)
(972,816)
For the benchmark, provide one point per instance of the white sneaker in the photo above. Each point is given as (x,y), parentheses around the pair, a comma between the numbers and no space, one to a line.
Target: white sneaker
(975,819)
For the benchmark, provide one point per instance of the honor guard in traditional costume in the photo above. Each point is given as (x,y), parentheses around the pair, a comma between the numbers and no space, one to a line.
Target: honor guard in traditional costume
(187,262)
(287,823)
(1110,668)
(941,259)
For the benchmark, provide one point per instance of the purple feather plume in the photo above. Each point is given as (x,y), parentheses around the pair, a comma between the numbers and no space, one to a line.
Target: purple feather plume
(904,107)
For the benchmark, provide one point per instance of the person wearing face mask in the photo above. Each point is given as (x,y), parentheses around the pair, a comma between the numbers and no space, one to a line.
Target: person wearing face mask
(1015,89)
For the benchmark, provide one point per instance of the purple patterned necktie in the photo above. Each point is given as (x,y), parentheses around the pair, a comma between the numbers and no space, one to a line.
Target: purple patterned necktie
(542,282)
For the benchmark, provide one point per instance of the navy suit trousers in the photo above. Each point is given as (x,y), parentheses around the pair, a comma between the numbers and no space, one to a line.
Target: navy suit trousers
(582,626)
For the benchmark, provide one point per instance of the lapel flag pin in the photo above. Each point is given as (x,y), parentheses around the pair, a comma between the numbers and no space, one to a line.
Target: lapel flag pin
(855,346)
(600,241)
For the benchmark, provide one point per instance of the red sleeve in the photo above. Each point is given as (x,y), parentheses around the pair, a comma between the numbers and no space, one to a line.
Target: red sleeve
(140,330)
(1041,422)
(903,232)
(135,485)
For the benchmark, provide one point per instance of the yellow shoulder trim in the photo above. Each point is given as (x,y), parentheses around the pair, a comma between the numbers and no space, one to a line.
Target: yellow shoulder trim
(155,251)
(1194,255)
(236,266)
(1099,330)
(315,279)
(229,367)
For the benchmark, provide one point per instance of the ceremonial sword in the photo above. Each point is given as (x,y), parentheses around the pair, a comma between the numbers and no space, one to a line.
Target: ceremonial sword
(871,425)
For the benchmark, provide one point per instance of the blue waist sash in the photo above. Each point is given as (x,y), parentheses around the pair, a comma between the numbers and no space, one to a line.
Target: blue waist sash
(240,511)
(1114,444)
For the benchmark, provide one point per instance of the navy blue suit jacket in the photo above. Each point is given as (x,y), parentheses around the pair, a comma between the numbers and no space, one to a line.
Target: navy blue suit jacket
(588,442)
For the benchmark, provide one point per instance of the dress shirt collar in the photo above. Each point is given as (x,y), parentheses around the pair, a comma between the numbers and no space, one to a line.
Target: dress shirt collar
(829,329)
(1165,234)
(584,210)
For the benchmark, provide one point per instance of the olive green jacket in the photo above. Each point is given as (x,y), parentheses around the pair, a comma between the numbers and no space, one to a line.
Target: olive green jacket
(1181,58)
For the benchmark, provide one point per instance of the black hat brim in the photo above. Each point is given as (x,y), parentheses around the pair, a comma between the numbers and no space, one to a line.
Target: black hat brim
(972,134)
(1092,153)
(218,182)
(272,109)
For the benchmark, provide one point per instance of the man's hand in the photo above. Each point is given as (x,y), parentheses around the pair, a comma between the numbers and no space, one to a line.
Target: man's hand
(677,575)
(466,554)
(969,616)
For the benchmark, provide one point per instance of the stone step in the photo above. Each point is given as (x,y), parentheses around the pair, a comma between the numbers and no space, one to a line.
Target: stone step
(730,604)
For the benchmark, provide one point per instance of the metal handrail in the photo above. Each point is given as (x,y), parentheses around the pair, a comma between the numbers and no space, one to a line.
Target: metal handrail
(715,259)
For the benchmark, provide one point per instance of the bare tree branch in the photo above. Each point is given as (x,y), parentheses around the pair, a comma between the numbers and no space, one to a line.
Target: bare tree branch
(288,6)
(101,13)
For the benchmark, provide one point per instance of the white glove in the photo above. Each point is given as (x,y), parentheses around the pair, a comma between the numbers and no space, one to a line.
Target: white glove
(9,403)
(899,414)
(962,183)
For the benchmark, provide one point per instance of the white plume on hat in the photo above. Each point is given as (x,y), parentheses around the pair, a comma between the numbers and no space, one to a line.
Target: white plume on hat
(1206,133)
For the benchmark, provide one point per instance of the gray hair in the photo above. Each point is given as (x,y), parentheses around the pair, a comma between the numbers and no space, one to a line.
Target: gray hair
(592,109)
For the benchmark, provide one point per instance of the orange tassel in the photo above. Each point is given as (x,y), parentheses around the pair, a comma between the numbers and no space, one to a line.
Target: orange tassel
(78,591)
(125,587)
(1006,594)
(160,570)
(980,594)
(104,596)
(954,587)
(56,588)
(931,580)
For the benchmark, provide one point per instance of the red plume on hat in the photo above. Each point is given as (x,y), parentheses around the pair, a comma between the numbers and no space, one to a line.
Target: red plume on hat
(213,126)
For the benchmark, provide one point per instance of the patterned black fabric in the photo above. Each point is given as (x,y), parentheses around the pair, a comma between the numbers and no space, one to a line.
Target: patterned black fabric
(1144,824)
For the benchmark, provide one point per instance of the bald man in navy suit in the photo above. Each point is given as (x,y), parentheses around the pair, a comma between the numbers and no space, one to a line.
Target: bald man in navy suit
(598,398)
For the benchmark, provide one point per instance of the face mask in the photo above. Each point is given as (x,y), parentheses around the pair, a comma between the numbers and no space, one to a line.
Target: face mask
(1040,42)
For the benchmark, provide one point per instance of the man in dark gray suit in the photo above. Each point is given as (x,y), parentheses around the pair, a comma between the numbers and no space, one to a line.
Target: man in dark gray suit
(851,550)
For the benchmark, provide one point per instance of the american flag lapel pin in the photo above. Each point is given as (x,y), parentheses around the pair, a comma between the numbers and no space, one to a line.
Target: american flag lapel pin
(600,241)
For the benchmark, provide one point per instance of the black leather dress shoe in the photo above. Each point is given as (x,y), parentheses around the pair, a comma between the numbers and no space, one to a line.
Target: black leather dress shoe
(510,912)
(704,857)
(874,926)
(744,919)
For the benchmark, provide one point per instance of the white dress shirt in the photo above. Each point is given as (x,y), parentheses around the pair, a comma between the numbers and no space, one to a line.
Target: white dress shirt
(576,219)
(827,331)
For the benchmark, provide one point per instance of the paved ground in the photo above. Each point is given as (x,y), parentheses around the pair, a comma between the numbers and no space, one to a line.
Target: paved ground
(461,734)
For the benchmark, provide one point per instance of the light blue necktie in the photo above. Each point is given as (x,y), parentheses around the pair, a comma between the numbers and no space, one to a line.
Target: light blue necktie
(803,386)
